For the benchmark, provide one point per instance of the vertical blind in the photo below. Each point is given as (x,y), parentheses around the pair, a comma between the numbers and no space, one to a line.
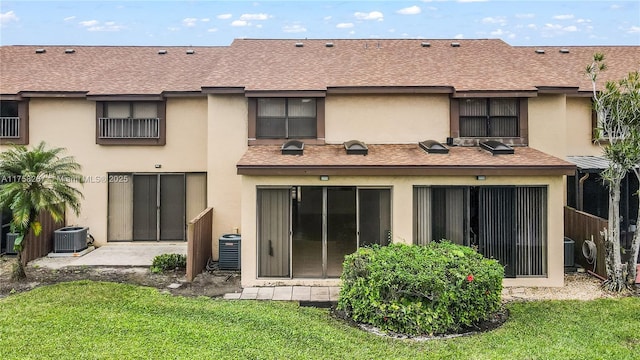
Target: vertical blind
(489,117)
(286,118)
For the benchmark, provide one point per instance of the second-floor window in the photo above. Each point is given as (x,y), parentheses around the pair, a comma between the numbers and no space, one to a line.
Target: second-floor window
(489,117)
(130,123)
(286,118)
(14,122)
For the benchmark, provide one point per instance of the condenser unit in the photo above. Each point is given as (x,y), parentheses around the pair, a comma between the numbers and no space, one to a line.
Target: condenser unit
(229,252)
(70,239)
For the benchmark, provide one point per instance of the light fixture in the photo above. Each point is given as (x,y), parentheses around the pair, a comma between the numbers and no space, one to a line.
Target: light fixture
(324,177)
(481,177)
(158,166)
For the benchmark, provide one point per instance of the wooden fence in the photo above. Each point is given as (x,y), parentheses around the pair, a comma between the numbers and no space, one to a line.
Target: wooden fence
(199,239)
(580,226)
(35,247)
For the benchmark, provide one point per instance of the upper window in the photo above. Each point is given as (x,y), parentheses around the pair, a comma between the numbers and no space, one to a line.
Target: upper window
(13,122)
(130,123)
(481,119)
(286,118)
(489,118)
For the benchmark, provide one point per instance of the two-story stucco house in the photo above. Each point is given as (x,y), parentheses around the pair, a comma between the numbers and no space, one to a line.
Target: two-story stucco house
(312,148)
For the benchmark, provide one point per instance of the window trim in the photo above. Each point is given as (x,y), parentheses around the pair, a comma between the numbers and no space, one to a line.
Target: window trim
(23,114)
(161,140)
(523,128)
(253,123)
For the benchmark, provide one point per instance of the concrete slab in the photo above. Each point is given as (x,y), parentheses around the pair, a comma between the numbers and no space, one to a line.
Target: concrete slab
(248,296)
(232,296)
(250,290)
(320,294)
(116,254)
(334,291)
(301,293)
(282,293)
(265,293)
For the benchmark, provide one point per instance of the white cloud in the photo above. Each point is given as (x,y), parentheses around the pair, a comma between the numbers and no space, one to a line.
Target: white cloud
(344,25)
(571,28)
(615,6)
(224,16)
(352,32)
(109,26)
(294,28)
(412,10)
(494,20)
(212,30)
(205,20)
(459,36)
(634,30)
(327,18)
(525,16)
(189,22)
(498,32)
(563,17)
(6,18)
(69,18)
(468,1)
(254,17)
(239,23)
(259,26)
(532,26)
(552,27)
(582,21)
(374,15)
(89,23)
(173,28)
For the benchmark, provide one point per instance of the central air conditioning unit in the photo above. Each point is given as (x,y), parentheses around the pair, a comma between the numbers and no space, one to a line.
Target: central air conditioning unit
(11,239)
(229,252)
(70,239)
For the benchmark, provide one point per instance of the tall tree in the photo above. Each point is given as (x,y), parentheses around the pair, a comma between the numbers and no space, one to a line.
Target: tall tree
(617,108)
(36,180)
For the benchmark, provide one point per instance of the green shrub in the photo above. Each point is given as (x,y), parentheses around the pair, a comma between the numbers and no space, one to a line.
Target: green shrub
(166,262)
(433,289)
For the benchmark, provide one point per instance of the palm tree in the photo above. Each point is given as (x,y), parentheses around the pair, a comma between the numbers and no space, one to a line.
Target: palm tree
(33,181)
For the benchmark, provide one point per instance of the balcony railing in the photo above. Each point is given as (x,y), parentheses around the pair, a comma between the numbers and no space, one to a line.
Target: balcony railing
(129,128)
(10,127)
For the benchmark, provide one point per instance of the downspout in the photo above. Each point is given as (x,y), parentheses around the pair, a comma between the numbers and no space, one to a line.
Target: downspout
(580,202)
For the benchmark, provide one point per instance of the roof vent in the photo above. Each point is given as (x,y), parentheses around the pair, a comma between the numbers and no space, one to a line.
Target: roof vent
(355,147)
(40,51)
(496,147)
(191,52)
(455,44)
(564,51)
(292,147)
(433,147)
(539,51)
(162,52)
(299,44)
(329,44)
(69,51)
(425,44)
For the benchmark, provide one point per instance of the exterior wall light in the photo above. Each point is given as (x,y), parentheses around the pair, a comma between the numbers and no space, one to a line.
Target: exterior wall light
(324,177)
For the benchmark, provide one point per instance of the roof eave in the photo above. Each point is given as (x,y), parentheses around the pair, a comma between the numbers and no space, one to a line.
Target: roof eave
(432,170)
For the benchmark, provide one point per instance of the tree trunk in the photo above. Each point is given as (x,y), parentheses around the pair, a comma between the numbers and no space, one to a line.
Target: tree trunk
(613,260)
(18,269)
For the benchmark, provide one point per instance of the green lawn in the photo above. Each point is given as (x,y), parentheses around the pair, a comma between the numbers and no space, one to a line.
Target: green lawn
(89,320)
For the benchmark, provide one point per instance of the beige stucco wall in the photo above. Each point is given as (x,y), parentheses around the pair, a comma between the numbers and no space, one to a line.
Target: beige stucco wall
(227,139)
(548,124)
(580,128)
(402,217)
(386,119)
(70,123)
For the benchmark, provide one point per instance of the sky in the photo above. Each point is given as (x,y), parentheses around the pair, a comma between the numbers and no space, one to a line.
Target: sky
(207,23)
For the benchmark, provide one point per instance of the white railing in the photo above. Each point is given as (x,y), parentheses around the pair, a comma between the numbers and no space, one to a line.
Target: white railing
(129,128)
(9,127)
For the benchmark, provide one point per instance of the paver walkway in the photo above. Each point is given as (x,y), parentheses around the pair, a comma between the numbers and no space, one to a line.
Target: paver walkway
(287,293)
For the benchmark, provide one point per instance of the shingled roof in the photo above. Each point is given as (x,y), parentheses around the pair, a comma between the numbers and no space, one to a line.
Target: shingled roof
(400,159)
(319,64)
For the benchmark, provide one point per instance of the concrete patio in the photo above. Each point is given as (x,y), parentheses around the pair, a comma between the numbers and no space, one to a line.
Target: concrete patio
(115,254)
(287,293)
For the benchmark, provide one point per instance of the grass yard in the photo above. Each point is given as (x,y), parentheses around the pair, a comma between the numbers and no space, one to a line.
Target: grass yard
(93,320)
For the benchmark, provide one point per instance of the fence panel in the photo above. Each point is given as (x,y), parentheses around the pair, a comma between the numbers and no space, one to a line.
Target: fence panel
(42,245)
(199,240)
(580,226)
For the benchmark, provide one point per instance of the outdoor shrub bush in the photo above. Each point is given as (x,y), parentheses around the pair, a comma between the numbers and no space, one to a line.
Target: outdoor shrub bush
(418,290)
(167,262)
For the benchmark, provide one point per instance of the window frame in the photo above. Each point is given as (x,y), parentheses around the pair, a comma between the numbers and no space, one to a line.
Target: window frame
(253,139)
(161,115)
(523,122)
(23,114)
